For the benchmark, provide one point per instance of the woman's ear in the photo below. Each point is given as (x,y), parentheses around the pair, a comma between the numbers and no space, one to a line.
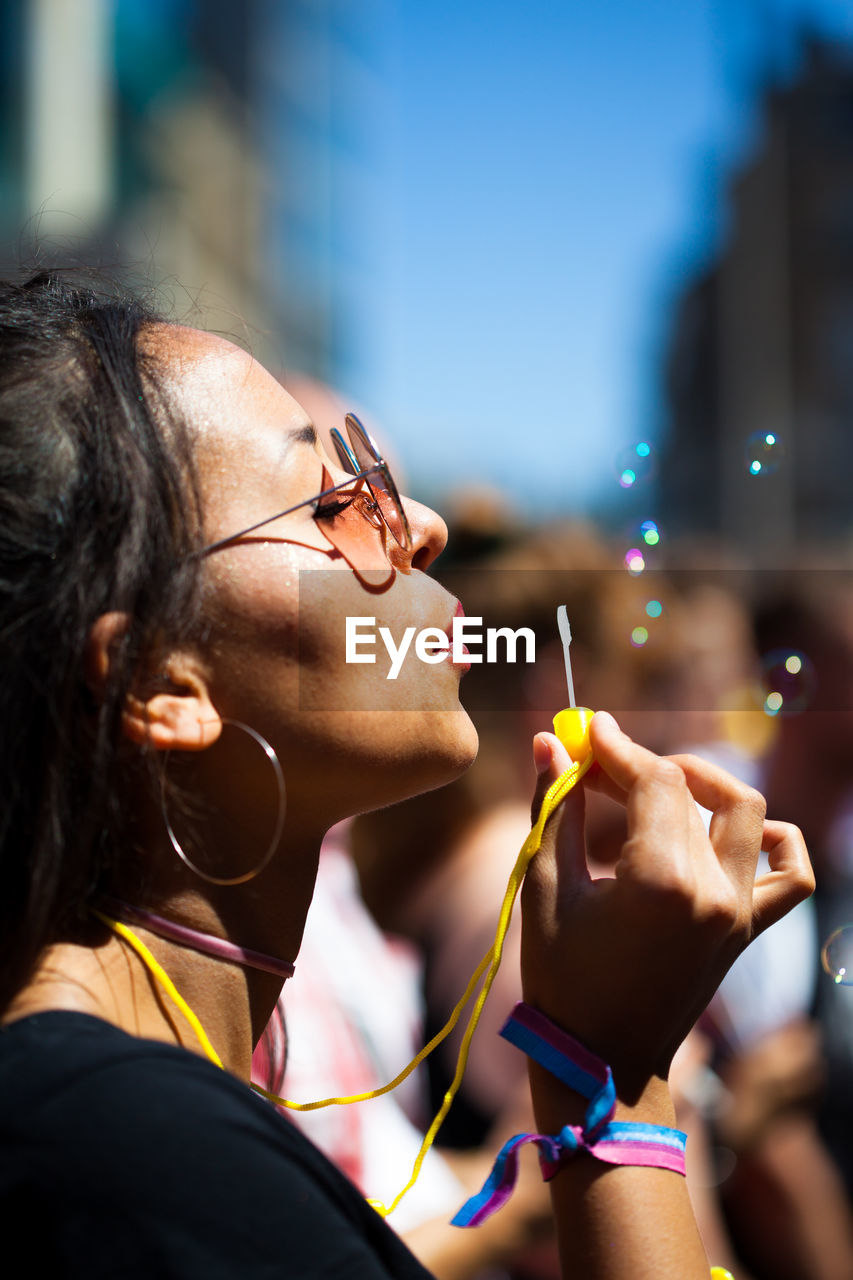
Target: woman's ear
(170,709)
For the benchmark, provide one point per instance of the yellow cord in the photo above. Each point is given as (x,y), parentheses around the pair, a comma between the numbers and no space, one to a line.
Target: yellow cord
(165,981)
(554,795)
(489,964)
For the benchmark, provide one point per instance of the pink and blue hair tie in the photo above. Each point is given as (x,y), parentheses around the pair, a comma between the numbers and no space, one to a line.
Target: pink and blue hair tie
(611,1141)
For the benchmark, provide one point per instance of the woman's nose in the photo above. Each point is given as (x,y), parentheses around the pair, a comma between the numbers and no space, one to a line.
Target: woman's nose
(429,537)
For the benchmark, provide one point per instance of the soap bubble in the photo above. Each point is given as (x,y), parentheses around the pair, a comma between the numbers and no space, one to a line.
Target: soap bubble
(634,561)
(788,682)
(643,533)
(654,608)
(639,636)
(837,956)
(764,453)
(635,464)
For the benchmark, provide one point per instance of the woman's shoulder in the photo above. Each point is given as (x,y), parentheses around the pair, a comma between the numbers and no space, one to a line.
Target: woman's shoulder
(66,1076)
(168,1149)
(72,1081)
(60,1059)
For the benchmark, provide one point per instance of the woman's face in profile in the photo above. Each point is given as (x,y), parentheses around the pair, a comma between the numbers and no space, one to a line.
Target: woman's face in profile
(276,601)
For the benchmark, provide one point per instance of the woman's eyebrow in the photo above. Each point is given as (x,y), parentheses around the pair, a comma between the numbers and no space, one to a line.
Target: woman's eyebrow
(306,434)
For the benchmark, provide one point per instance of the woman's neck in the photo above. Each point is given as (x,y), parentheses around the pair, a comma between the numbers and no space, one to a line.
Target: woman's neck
(111,983)
(233,1003)
(208,944)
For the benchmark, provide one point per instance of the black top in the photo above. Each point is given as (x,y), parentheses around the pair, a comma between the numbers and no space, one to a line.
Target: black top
(122,1157)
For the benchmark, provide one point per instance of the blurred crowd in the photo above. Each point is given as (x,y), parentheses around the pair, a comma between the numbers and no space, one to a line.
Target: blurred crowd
(752,669)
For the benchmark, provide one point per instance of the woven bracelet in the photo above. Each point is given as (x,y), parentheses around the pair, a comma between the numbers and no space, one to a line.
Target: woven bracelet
(608,1140)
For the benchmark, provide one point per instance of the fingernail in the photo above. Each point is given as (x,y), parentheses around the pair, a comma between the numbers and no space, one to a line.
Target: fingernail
(606,719)
(541,754)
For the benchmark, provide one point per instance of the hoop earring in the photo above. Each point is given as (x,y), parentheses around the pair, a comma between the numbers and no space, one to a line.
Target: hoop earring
(269,752)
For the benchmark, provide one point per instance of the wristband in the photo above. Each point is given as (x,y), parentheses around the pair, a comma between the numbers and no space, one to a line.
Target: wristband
(610,1141)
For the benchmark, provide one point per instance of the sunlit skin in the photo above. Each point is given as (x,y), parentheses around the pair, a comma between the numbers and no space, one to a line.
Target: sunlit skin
(281,668)
(256,653)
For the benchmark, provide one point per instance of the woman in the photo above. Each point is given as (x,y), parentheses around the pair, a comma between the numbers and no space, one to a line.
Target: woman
(162,632)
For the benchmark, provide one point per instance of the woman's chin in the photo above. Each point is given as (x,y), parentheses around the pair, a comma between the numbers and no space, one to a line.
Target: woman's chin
(464,747)
(442,746)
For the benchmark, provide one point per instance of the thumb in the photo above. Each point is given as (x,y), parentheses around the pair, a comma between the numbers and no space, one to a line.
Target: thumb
(551,759)
(562,851)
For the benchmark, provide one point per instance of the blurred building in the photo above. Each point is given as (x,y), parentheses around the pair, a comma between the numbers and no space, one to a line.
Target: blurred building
(220,148)
(759,370)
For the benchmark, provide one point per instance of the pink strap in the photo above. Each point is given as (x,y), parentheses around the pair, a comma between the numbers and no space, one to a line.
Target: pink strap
(207,943)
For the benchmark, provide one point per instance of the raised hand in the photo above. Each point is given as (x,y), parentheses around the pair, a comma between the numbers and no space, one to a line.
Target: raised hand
(627,964)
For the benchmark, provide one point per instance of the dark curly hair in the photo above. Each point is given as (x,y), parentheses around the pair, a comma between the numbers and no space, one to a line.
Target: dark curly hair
(98,511)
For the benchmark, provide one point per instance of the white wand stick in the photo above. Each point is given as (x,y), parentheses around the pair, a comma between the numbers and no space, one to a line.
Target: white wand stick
(566,637)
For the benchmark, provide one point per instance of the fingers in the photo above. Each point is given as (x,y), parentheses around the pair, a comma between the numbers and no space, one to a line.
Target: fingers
(790,879)
(737,814)
(661,795)
(622,761)
(663,820)
(737,810)
(563,836)
(716,789)
(663,828)
(598,780)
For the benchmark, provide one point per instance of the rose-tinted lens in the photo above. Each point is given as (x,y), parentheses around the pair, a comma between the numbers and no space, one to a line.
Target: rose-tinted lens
(356,529)
(380,480)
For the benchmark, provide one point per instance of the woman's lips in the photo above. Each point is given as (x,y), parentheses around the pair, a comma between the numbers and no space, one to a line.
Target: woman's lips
(459,612)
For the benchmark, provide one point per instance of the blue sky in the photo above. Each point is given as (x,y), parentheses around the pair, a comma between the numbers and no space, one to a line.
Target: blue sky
(550,174)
